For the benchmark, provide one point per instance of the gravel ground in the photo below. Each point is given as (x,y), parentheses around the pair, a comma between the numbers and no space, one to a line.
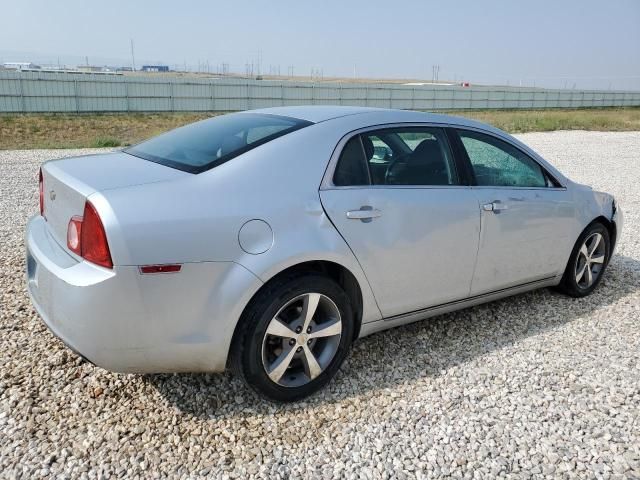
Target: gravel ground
(536,385)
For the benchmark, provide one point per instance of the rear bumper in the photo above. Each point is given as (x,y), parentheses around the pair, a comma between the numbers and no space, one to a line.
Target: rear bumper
(128,322)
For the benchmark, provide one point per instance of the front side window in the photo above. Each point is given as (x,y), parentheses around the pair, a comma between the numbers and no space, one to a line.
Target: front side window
(208,143)
(417,156)
(496,163)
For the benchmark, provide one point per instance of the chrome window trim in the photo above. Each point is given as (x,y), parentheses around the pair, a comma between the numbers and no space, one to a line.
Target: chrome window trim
(395,187)
(327,179)
(502,187)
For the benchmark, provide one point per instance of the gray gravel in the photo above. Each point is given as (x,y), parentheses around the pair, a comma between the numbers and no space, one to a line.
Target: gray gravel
(538,384)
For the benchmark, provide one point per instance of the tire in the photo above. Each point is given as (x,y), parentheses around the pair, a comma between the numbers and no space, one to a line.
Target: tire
(583,274)
(263,343)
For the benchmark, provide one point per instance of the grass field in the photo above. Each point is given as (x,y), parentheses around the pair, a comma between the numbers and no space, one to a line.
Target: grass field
(114,130)
(595,119)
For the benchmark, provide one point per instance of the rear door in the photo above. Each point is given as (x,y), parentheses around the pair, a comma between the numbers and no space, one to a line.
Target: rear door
(394,194)
(526,215)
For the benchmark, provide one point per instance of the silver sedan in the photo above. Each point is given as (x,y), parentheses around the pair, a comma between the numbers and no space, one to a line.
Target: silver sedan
(268,241)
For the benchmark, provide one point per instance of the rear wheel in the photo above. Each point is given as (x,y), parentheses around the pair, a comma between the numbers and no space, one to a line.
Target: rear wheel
(293,337)
(588,261)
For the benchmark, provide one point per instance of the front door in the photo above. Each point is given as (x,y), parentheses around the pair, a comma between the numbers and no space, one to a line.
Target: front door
(396,199)
(526,216)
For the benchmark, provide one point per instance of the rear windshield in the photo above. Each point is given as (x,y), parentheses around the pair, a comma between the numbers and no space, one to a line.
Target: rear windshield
(206,144)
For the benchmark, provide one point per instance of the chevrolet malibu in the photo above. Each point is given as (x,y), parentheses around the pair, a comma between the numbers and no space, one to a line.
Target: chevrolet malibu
(268,241)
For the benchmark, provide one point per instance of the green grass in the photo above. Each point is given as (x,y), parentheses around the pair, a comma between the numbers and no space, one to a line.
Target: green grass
(103,142)
(595,119)
(27,131)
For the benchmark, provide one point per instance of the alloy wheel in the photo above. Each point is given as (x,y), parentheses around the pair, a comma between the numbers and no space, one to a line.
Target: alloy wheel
(590,262)
(301,340)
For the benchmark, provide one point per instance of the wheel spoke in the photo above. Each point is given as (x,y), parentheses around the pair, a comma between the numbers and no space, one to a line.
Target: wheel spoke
(594,244)
(589,276)
(279,329)
(331,330)
(599,259)
(580,274)
(301,340)
(312,367)
(281,364)
(310,304)
(584,251)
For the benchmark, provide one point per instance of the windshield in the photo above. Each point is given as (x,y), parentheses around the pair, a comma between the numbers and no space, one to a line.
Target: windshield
(206,144)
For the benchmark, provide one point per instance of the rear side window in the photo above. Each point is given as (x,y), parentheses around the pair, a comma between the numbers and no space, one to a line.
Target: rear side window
(351,168)
(418,156)
(206,144)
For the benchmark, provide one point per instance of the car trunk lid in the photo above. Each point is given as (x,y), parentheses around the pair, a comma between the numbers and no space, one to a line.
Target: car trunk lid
(68,182)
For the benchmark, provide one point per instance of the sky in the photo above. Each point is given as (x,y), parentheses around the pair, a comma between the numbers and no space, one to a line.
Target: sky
(572,43)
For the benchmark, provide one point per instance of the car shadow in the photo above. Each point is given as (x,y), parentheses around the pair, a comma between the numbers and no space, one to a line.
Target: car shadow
(419,350)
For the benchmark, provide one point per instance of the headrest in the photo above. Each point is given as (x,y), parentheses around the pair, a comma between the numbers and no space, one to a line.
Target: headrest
(427,151)
(231,144)
(427,146)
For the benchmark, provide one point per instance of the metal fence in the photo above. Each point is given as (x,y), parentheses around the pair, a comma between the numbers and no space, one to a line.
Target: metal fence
(69,92)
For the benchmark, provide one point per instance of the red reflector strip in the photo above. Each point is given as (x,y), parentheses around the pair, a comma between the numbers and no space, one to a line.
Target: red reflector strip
(160,268)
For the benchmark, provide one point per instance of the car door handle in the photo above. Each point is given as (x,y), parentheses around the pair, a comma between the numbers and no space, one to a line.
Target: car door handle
(366,213)
(496,206)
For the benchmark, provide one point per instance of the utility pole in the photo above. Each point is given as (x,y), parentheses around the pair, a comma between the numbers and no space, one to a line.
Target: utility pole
(133,58)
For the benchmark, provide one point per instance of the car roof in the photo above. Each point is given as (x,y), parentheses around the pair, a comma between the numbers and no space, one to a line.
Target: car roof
(323,113)
(354,118)
(315,113)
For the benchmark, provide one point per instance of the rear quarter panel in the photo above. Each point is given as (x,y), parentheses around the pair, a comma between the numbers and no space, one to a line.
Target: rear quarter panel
(198,218)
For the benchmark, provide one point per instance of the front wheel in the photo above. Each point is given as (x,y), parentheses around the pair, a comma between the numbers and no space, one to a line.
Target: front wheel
(293,337)
(588,261)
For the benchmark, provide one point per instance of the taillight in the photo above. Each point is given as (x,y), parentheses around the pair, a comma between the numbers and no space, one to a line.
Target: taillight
(95,247)
(74,235)
(41,189)
(86,237)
